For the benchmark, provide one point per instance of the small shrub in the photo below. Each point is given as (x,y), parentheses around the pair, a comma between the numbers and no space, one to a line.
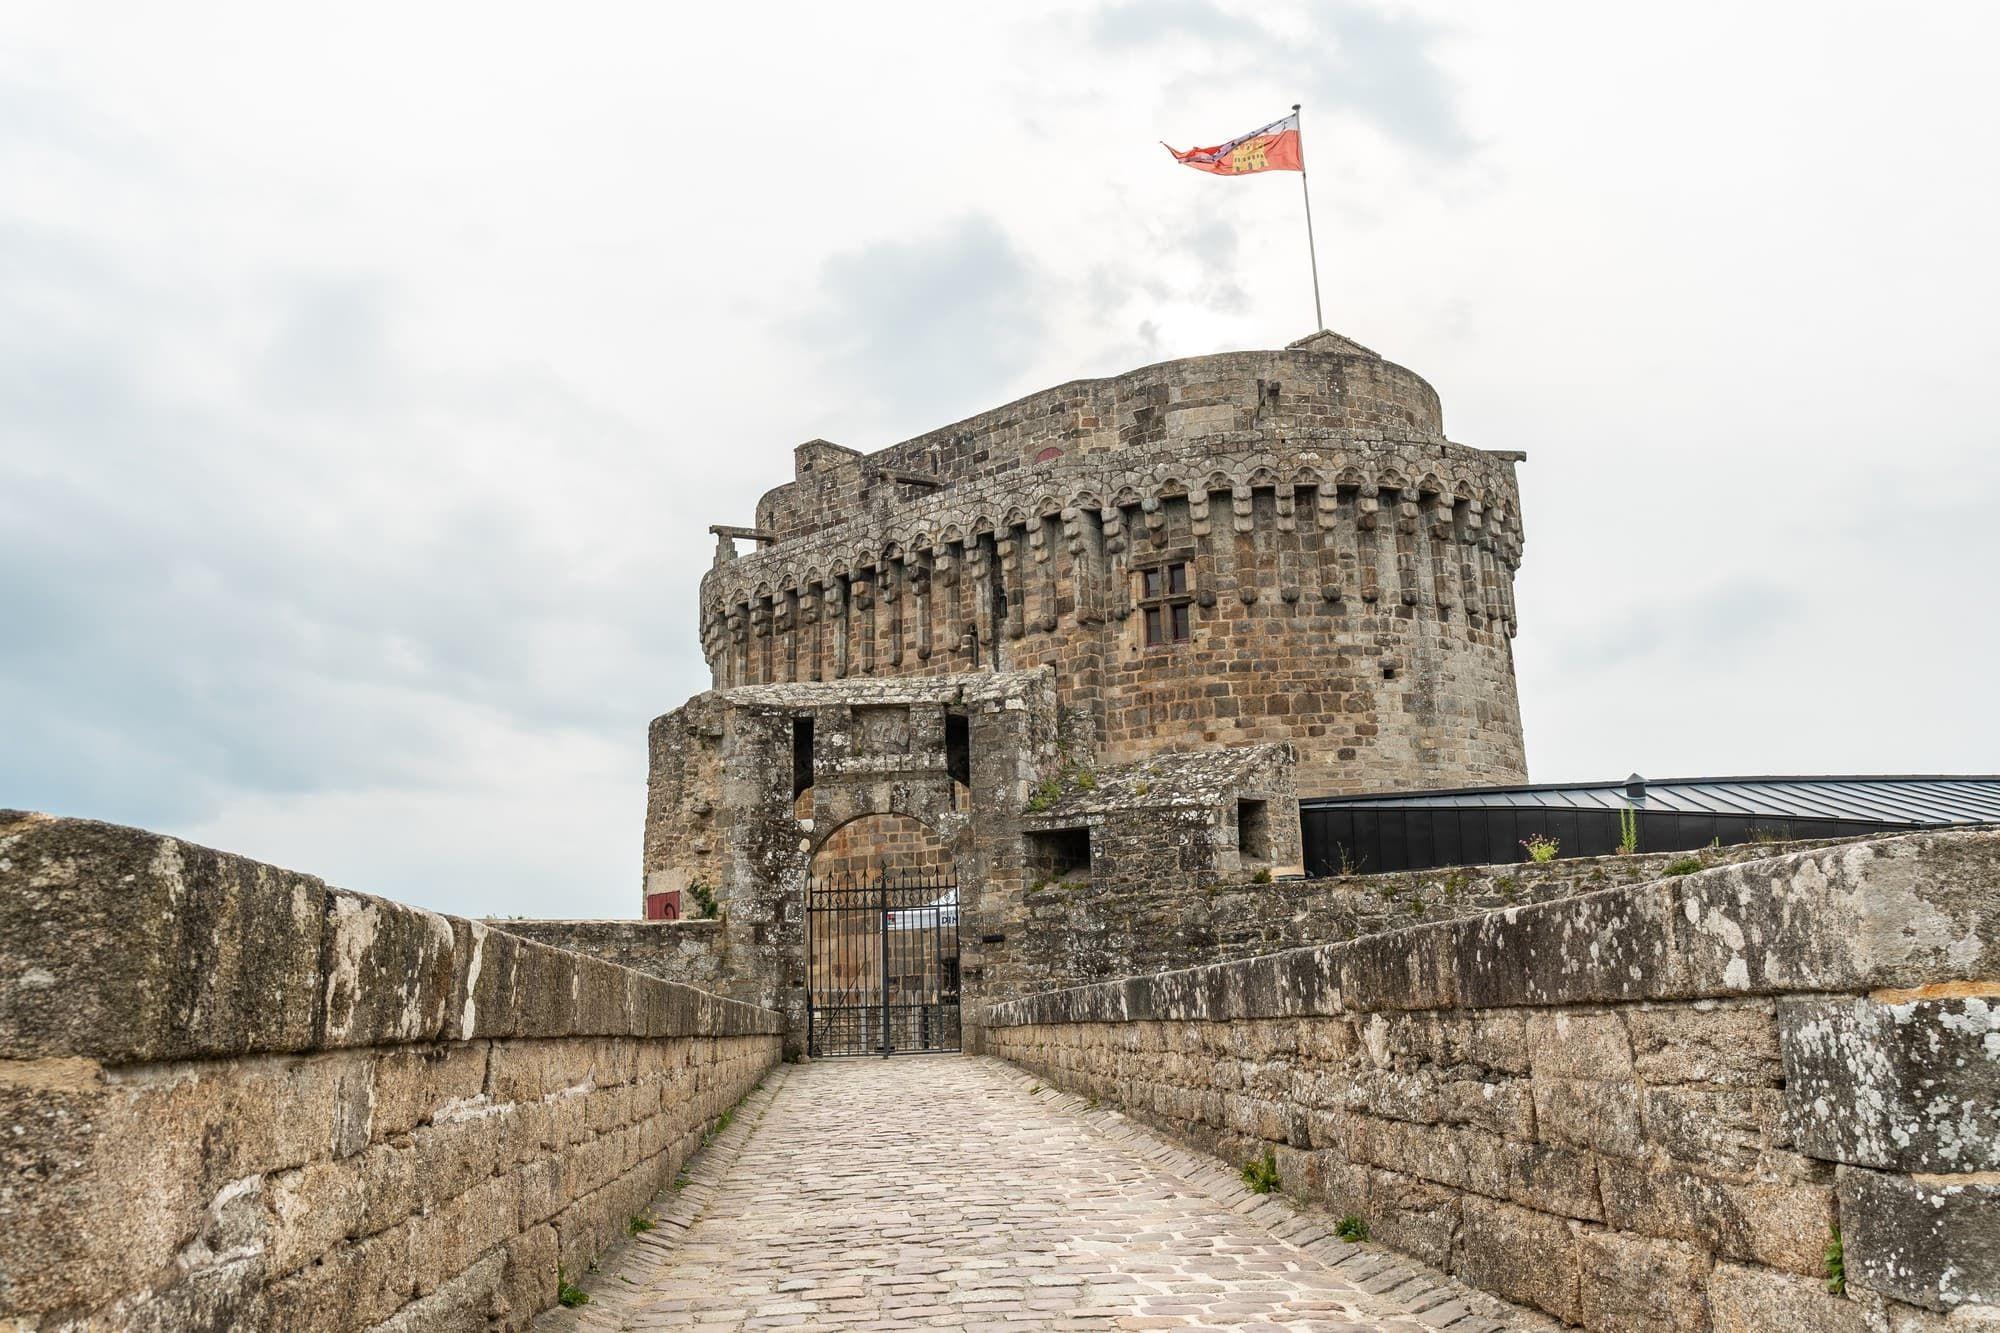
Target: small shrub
(639,1223)
(1349,863)
(1836,1265)
(728,1118)
(568,1293)
(1141,787)
(1261,877)
(1086,781)
(1044,796)
(1683,865)
(1261,1173)
(1760,834)
(1351,1229)
(705,906)
(1628,831)
(1416,904)
(1455,883)
(1541,848)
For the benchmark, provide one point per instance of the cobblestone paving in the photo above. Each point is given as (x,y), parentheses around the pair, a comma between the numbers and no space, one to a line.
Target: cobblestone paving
(955,1192)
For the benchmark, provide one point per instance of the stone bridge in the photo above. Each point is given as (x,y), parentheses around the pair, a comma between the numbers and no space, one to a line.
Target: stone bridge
(1761,1095)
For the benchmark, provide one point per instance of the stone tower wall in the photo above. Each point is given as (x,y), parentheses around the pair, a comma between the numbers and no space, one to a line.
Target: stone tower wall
(1350,569)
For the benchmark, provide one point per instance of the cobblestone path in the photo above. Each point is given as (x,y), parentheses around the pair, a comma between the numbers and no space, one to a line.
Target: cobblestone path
(953,1191)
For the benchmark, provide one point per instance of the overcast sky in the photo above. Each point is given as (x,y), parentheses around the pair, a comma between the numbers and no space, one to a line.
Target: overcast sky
(367,382)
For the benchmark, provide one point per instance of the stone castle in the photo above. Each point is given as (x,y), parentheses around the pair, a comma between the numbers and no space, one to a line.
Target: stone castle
(1003,753)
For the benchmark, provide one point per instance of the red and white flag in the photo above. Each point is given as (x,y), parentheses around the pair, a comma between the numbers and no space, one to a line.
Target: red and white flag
(1273,148)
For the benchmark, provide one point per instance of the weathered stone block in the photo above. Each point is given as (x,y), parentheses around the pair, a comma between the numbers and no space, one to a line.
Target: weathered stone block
(1733,1042)
(1743,1299)
(122,945)
(1585,1044)
(1612,945)
(1905,911)
(1417,1218)
(390,972)
(1724,1131)
(1911,1086)
(1783,1225)
(1554,1179)
(1601,1114)
(1641,1286)
(1524,1255)
(1929,1241)
(413,1084)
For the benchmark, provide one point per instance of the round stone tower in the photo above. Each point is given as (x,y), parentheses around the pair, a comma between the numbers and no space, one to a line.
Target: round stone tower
(1250,547)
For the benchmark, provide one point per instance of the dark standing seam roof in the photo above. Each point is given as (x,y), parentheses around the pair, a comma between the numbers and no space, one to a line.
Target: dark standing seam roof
(1909,801)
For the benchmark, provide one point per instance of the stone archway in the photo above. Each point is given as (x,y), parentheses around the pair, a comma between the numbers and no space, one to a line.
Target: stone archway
(881,908)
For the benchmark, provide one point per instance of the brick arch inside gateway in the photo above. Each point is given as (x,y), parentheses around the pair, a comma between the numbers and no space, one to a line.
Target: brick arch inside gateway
(885,844)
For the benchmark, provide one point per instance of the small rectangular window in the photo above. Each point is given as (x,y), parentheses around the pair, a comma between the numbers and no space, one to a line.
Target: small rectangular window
(1166,607)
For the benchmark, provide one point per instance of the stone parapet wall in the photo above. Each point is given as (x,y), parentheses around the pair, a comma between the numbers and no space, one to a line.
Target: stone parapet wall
(692,951)
(1645,1107)
(1132,916)
(232,1096)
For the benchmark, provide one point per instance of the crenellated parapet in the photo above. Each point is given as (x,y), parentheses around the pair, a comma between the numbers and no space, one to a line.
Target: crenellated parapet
(1296,517)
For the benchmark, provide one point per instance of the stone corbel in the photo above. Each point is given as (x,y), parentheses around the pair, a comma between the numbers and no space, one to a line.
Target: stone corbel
(1288,518)
(1240,507)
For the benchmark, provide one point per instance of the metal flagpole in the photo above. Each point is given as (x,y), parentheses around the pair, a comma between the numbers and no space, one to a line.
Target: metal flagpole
(1312,251)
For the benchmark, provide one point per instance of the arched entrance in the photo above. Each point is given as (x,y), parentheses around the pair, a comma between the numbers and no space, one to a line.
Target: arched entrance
(882,940)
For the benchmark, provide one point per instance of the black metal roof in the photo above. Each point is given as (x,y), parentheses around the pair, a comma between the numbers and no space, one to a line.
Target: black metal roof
(1900,800)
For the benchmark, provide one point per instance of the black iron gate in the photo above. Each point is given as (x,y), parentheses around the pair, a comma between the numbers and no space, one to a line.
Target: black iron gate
(882,963)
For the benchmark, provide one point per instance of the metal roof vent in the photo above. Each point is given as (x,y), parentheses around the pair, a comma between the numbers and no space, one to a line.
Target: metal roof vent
(1635,788)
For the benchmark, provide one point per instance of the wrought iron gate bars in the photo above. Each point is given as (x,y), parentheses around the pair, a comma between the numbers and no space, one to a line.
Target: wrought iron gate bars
(882,963)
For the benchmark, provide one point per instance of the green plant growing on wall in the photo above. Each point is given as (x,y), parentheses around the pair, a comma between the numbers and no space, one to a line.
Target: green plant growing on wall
(1349,863)
(1836,1265)
(705,906)
(1045,795)
(1351,1229)
(1261,1173)
(638,1223)
(1261,877)
(1683,865)
(1628,831)
(568,1294)
(1541,848)
(1086,780)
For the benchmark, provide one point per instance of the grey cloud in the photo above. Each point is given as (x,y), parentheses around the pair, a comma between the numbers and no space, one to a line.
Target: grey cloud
(1356,57)
(1734,616)
(931,328)
(199,601)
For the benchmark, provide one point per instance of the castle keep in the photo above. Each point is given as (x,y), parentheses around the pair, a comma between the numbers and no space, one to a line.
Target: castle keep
(1252,547)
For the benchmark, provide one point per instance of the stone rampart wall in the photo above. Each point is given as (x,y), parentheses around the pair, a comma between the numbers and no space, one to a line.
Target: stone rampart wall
(692,951)
(1645,1107)
(1131,917)
(232,1096)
